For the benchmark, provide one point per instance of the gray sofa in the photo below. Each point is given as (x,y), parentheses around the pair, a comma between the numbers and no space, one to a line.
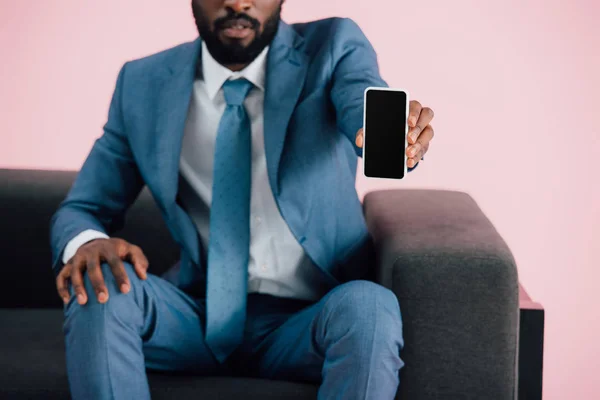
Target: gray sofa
(455,278)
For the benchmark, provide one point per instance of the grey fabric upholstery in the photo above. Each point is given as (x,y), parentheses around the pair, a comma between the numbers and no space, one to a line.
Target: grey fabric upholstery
(453,274)
(28,199)
(456,281)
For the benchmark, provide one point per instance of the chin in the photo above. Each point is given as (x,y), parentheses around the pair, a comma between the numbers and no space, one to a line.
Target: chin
(245,42)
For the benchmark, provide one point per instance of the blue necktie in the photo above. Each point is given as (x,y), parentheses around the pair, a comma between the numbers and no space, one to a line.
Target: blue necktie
(229,229)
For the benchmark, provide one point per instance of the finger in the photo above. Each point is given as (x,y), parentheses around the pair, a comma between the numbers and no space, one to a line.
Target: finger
(418,150)
(426,136)
(95,274)
(414,110)
(413,160)
(139,261)
(413,150)
(61,283)
(423,151)
(424,119)
(77,280)
(118,270)
(359,138)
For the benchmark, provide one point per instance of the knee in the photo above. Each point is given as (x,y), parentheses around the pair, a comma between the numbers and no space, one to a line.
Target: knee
(366,303)
(118,302)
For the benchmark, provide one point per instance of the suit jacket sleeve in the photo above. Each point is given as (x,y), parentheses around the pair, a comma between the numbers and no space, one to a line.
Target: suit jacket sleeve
(355,69)
(106,185)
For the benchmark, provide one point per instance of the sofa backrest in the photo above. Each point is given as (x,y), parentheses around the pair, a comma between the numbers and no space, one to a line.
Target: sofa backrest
(28,199)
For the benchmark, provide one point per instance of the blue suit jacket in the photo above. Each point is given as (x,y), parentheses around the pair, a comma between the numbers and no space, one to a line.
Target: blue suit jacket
(316,75)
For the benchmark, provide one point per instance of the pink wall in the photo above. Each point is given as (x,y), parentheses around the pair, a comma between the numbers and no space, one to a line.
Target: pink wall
(514,85)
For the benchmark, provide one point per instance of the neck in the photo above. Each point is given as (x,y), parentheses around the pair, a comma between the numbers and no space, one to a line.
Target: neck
(235,67)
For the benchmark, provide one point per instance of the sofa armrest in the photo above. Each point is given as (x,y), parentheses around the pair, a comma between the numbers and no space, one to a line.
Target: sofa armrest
(457,285)
(531,347)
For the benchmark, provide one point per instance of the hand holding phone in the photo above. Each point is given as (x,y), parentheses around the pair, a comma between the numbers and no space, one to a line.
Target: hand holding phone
(385,130)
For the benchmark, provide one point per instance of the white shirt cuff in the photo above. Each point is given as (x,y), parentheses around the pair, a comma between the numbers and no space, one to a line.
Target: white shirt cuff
(79,240)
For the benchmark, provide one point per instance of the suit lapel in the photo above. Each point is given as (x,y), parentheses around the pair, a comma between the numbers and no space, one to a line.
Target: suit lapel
(173,104)
(286,72)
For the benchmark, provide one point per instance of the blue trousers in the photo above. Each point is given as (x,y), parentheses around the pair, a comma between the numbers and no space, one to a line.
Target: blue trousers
(348,342)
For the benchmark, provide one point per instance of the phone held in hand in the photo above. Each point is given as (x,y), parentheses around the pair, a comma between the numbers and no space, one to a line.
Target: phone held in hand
(385,130)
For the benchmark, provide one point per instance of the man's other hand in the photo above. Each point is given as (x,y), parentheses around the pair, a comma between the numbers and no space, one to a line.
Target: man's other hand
(89,257)
(420,132)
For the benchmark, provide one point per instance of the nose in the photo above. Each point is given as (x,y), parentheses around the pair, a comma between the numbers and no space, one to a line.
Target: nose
(239,5)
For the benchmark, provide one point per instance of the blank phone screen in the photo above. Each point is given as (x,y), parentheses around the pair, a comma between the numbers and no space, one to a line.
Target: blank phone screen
(385,134)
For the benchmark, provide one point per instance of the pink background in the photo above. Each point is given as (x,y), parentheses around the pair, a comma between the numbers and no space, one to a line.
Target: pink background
(514,85)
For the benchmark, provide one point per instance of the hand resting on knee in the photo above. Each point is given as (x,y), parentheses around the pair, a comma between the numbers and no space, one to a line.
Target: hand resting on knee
(89,257)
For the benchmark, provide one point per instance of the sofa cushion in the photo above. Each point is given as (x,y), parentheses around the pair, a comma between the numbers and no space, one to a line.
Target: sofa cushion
(28,199)
(32,365)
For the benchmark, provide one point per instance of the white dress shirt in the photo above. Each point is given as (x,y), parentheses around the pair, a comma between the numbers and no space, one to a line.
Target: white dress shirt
(278,265)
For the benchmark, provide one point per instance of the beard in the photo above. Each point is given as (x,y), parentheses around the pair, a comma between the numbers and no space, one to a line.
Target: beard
(234,52)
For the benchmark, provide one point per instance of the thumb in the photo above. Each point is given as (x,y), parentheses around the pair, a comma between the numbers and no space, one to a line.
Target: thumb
(359,138)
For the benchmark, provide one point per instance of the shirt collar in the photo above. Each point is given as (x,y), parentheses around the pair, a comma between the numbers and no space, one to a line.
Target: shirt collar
(214,74)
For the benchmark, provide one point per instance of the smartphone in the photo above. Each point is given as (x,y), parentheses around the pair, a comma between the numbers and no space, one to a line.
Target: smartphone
(385,129)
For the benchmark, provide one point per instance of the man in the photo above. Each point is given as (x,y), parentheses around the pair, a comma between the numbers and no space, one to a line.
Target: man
(260,123)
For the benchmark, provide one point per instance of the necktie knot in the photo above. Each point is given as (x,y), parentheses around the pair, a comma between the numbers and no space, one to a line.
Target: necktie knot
(236,91)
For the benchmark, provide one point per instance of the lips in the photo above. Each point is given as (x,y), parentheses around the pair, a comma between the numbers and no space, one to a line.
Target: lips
(239,23)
